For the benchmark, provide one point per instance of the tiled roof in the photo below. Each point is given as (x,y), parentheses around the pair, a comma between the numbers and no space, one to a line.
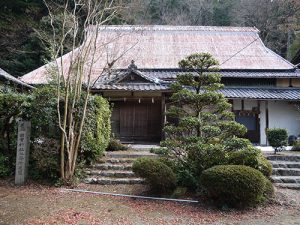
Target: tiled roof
(132,87)
(158,75)
(237,92)
(164,46)
(262,93)
(172,73)
(6,76)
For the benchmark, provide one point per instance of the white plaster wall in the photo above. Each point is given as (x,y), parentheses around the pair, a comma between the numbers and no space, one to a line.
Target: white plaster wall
(281,115)
(284,115)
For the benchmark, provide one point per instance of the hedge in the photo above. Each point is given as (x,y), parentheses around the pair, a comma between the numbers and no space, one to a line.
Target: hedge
(97,128)
(234,185)
(159,176)
(253,158)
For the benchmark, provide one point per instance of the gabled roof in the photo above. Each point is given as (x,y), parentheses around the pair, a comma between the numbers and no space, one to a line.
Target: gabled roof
(118,80)
(164,46)
(117,76)
(6,76)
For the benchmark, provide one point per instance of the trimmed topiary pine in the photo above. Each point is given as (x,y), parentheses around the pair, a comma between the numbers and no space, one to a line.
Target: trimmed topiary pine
(200,125)
(234,185)
(158,175)
(277,138)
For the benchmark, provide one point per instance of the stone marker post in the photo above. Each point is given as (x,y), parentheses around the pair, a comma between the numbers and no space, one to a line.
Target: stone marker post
(24,128)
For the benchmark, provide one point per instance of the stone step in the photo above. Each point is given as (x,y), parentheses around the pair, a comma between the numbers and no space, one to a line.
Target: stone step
(120,160)
(286,172)
(286,179)
(112,166)
(129,154)
(110,173)
(107,180)
(285,164)
(291,158)
(289,186)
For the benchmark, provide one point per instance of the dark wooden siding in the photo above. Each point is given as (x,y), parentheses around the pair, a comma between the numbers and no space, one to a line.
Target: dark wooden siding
(137,122)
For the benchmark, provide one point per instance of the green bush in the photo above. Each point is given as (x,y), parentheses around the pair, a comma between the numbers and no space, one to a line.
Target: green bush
(12,106)
(160,151)
(234,185)
(264,166)
(204,156)
(5,169)
(277,137)
(251,157)
(44,163)
(235,144)
(116,145)
(269,189)
(159,176)
(186,178)
(296,146)
(96,130)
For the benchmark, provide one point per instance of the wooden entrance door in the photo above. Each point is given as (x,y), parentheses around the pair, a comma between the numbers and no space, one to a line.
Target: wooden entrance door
(133,121)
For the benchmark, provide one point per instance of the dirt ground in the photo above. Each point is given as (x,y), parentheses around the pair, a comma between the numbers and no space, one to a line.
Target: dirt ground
(36,204)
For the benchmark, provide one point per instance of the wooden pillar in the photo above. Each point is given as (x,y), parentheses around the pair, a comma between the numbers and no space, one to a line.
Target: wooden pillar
(163,115)
(243,104)
(231,102)
(258,121)
(267,119)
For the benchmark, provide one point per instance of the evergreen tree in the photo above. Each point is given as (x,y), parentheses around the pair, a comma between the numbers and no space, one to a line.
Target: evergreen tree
(203,128)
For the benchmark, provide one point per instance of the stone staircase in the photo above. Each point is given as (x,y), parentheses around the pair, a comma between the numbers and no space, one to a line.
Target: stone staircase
(286,170)
(116,168)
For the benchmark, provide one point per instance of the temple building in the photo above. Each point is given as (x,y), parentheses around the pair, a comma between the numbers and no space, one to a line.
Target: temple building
(263,87)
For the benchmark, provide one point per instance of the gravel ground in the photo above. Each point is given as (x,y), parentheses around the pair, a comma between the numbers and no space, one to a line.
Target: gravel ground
(36,204)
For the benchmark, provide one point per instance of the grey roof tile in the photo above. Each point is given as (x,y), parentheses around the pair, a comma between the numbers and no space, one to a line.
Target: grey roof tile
(132,87)
(237,92)
(172,74)
(262,93)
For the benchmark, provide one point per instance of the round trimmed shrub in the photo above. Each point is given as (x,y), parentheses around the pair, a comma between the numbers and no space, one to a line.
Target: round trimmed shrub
(269,189)
(234,185)
(158,175)
(253,158)
(264,166)
(277,137)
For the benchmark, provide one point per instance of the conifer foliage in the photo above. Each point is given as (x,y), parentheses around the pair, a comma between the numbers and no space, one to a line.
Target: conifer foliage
(201,126)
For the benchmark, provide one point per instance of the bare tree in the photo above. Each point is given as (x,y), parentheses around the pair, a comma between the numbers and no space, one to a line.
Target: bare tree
(169,12)
(79,22)
(274,18)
